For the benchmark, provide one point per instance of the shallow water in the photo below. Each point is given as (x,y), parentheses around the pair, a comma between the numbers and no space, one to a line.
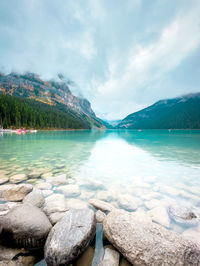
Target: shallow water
(155,167)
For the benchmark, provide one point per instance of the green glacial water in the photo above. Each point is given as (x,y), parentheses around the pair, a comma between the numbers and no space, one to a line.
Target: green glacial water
(134,170)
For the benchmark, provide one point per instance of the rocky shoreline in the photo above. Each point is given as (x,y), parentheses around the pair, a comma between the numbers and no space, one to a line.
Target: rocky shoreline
(34,226)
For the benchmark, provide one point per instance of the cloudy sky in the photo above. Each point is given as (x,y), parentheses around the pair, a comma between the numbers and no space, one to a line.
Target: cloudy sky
(122,54)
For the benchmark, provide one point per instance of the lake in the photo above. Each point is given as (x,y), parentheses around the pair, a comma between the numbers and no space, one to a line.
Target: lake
(135,170)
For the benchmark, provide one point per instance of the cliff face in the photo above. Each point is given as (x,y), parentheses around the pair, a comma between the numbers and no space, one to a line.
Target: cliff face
(31,86)
(178,113)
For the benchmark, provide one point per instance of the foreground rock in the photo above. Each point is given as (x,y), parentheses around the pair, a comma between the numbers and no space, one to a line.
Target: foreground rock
(146,243)
(70,237)
(183,215)
(101,205)
(25,226)
(35,197)
(15,192)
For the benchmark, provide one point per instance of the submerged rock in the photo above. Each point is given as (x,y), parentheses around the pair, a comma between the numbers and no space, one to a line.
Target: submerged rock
(35,197)
(18,178)
(159,215)
(43,185)
(15,192)
(3,179)
(59,180)
(47,192)
(76,204)
(101,205)
(183,215)
(69,190)
(128,202)
(70,237)
(34,174)
(26,226)
(146,243)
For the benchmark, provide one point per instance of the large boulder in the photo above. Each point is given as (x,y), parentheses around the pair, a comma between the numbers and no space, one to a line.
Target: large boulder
(25,226)
(15,192)
(143,242)
(70,237)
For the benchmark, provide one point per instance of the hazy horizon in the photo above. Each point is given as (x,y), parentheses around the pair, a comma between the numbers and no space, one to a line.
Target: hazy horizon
(122,55)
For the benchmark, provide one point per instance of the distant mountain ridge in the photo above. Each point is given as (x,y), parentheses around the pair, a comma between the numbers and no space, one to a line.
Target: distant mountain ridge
(177,113)
(52,93)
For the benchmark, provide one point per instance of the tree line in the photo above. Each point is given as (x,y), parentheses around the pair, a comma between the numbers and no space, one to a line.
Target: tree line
(18,112)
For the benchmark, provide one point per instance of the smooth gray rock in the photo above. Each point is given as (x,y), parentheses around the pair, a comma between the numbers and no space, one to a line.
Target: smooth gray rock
(25,226)
(14,192)
(70,237)
(35,197)
(183,215)
(101,205)
(146,243)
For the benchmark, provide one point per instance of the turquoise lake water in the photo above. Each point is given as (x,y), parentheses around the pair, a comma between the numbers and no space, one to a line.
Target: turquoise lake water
(150,168)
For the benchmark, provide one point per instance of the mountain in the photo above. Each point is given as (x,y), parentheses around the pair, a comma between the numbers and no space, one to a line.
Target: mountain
(56,94)
(178,113)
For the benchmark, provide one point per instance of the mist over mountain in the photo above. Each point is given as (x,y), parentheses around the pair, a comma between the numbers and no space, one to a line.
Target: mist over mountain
(53,93)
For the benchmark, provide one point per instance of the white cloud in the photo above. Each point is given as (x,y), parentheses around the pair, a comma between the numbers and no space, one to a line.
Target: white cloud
(144,67)
(124,55)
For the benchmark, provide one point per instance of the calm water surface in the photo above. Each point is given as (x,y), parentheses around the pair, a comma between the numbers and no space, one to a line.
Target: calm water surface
(132,169)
